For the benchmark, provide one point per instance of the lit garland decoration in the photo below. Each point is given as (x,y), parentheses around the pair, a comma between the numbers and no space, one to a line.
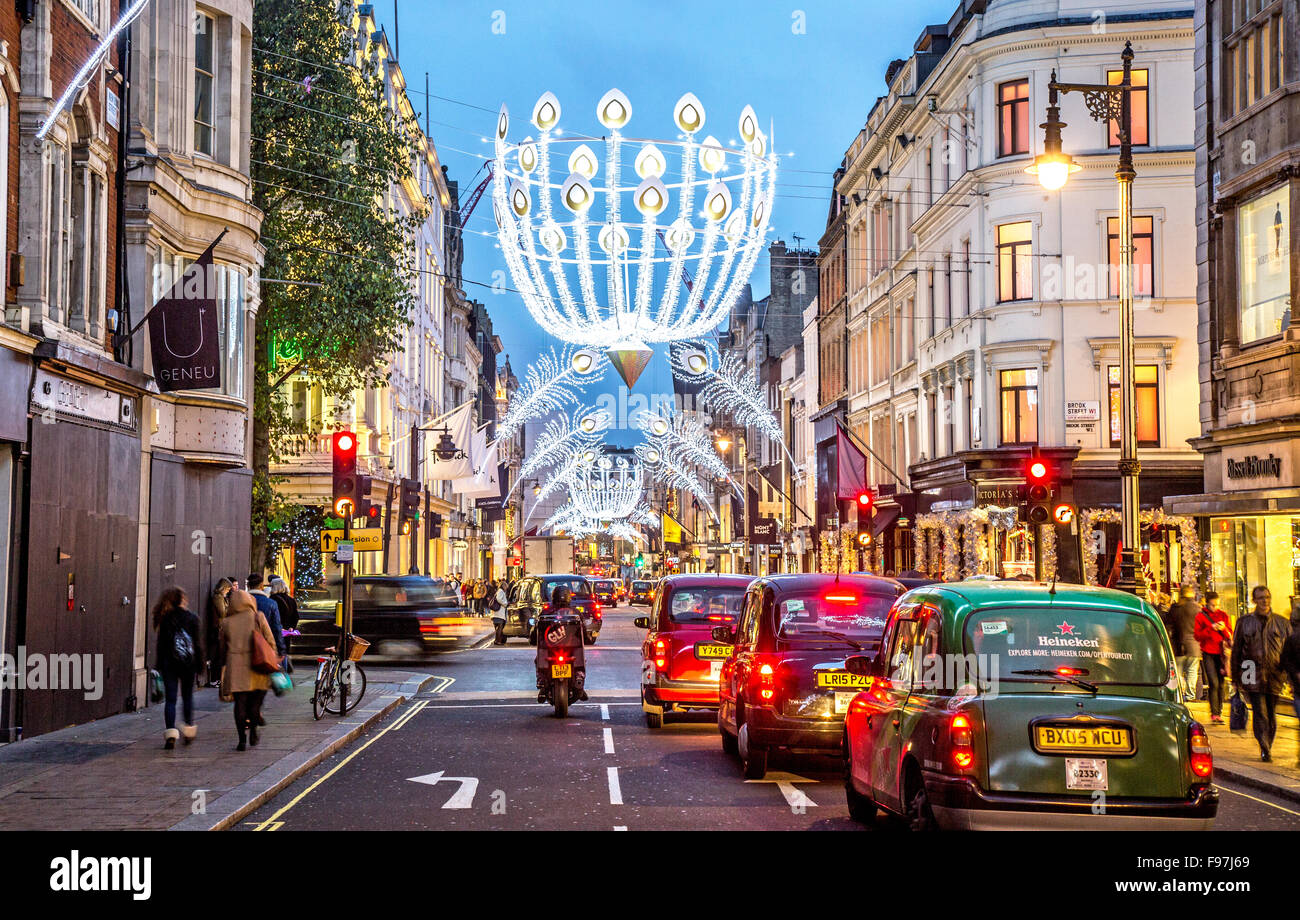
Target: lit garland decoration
(730,387)
(687,441)
(1190,551)
(545,226)
(668,469)
(550,384)
(561,439)
(302,533)
(645,517)
(607,490)
(624,531)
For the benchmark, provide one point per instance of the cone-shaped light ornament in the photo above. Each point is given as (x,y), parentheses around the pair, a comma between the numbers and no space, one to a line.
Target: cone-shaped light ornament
(629,359)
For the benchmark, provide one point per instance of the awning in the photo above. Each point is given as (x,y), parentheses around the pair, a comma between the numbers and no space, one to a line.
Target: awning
(884,518)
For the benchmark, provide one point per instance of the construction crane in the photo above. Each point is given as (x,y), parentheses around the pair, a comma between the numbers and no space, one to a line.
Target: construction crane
(470,203)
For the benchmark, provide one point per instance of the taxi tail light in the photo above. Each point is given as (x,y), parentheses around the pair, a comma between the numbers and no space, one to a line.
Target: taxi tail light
(840,597)
(764,678)
(661,654)
(961,739)
(1202,758)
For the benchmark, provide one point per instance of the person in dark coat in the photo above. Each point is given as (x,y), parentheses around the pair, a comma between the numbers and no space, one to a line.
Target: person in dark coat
(1256,657)
(216,613)
(1182,635)
(269,608)
(179,657)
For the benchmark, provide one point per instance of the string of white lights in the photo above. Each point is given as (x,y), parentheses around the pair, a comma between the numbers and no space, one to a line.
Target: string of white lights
(729,387)
(551,383)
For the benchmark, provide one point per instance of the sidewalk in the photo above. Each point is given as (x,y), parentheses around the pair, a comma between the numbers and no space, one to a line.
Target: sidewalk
(113,774)
(1236,754)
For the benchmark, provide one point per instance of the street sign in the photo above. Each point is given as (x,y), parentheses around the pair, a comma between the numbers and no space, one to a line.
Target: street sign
(370,540)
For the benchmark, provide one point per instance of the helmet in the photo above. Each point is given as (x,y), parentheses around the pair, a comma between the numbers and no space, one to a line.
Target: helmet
(560,596)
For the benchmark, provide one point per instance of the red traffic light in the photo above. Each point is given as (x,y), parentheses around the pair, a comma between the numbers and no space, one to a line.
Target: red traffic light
(345,442)
(864,499)
(1037,470)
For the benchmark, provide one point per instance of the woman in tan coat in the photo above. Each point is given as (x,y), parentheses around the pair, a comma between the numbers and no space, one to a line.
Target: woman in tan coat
(238,677)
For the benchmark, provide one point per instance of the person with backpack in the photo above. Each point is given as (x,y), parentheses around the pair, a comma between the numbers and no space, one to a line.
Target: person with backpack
(497,602)
(179,658)
(1256,665)
(480,596)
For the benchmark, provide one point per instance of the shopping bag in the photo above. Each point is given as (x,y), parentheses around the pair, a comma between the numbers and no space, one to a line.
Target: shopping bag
(1237,713)
(280,683)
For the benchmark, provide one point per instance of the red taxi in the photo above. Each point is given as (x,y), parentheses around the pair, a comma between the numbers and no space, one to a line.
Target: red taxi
(785,685)
(680,659)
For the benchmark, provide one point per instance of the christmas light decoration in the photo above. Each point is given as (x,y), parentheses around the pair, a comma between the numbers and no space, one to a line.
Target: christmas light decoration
(561,438)
(687,441)
(668,468)
(728,387)
(607,490)
(550,384)
(553,194)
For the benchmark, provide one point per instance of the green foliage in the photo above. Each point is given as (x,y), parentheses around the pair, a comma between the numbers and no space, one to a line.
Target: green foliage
(327,152)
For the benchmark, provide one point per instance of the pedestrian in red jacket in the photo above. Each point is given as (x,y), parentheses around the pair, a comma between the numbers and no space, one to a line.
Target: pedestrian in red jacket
(1213,632)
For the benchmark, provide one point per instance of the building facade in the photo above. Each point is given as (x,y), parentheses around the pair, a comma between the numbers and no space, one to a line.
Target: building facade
(983,310)
(1248,270)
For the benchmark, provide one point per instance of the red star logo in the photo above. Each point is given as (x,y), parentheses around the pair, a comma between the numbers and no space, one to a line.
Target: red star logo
(1065,629)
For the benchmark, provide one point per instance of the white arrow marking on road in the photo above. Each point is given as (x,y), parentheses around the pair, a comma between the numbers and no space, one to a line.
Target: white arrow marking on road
(785,782)
(462,798)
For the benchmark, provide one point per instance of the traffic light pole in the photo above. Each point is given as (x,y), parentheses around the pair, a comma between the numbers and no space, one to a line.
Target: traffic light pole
(347,616)
(413,547)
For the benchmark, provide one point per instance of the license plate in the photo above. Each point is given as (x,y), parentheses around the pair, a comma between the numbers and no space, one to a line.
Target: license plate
(842,701)
(1109,739)
(561,670)
(837,679)
(715,670)
(705,651)
(1089,774)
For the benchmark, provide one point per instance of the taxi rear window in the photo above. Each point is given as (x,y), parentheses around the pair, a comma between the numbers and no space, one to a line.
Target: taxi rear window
(1099,646)
(640,586)
(706,606)
(833,616)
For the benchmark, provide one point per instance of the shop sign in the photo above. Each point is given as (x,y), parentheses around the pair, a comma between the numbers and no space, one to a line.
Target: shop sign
(59,395)
(1258,466)
(999,494)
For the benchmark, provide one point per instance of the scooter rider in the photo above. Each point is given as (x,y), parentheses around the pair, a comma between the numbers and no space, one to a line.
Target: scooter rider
(560,609)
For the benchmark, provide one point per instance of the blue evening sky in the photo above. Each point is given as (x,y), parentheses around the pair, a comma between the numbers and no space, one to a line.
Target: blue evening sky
(813,68)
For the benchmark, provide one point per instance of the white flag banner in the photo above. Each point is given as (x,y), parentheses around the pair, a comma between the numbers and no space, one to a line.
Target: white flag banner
(460,425)
(487,483)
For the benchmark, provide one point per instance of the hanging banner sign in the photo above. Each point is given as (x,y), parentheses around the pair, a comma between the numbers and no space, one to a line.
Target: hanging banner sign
(183,329)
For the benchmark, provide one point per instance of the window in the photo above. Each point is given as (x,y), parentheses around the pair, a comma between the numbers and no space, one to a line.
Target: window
(934,305)
(1019,392)
(1143,251)
(1146,401)
(971,435)
(929,174)
(1253,54)
(965,265)
(949,419)
(1013,118)
(205,34)
(1139,104)
(1263,265)
(1015,266)
(947,289)
(933,402)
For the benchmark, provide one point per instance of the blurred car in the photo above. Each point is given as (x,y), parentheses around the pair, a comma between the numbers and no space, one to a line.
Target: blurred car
(643,592)
(1067,697)
(533,595)
(680,661)
(605,591)
(402,616)
(785,684)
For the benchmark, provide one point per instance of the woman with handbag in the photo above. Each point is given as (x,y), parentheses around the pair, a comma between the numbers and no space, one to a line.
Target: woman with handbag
(178,658)
(249,658)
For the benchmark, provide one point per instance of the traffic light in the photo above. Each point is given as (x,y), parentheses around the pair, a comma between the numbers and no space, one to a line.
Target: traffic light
(345,474)
(864,539)
(408,505)
(372,513)
(866,502)
(1037,508)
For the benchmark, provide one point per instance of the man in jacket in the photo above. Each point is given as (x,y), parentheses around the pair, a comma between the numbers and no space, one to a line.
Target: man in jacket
(1182,633)
(1256,665)
(1213,631)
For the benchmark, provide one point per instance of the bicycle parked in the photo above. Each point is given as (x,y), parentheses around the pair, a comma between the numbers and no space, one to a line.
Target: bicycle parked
(334,671)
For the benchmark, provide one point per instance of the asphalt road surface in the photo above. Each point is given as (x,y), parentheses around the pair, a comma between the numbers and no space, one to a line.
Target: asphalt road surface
(477,752)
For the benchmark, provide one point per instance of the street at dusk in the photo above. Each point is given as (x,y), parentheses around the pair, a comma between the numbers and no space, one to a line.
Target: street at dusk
(613,417)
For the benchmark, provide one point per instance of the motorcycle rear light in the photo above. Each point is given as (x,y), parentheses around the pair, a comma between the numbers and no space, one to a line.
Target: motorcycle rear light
(1202,758)
(962,739)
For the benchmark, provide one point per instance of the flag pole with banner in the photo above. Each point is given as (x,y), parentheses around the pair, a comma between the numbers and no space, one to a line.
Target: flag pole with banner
(184,329)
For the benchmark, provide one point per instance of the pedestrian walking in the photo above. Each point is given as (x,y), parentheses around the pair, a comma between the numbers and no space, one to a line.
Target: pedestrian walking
(179,657)
(1256,655)
(288,617)
(239,681)
(1187,651)
(480,596)
(258,588)
(1213,633)
(216,613)
(1289,662)
(497,604)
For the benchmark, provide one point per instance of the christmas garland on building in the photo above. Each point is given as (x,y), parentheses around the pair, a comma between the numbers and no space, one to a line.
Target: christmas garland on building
(1190,551)
(301,533)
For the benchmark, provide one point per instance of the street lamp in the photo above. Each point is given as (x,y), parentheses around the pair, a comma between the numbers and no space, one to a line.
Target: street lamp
(1106,103)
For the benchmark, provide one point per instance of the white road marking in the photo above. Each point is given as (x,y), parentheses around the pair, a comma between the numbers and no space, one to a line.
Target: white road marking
(615,792)
(785,783)
(506,705)
(609,741)
(463,797)
(604,711)
(620,827)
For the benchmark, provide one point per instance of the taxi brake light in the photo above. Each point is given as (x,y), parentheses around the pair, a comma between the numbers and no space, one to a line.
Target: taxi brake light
(961,737)
(766,681)
(1202,759)
(661,654)
(842,598)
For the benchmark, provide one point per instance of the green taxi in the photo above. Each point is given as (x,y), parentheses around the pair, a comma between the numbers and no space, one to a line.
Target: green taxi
(1001,704)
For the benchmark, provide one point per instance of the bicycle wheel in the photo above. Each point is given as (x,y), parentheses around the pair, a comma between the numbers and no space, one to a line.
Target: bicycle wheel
(356,689)
(325,688)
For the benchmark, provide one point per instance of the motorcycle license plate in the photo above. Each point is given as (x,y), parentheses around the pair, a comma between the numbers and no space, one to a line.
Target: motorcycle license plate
(561,670)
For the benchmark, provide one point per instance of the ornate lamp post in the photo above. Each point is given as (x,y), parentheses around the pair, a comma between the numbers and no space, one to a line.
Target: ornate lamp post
(1107,102)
